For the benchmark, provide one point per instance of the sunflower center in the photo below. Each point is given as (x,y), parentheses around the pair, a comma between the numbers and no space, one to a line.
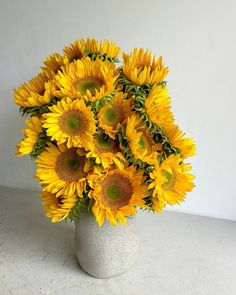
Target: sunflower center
(170,179)
(71,122)
(110,115)
(145,142)
(69,166)
(106,144)
(142,143)
(116,191)
(73,164)
(113,115)
(89,83)
(113,192)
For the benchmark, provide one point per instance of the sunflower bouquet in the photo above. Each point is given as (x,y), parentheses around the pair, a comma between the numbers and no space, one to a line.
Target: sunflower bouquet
(102,133)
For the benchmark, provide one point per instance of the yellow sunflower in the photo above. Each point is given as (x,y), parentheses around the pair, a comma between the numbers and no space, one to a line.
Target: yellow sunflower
(105,47)
(86,79)
(53,64)
(111,116)
(57,208)
(62,171)
(141,68)
(116,193)
(38,91)
(70,121)
(74,50)
(171,182)
(26,145)
(176,137)
(158,204)
(142,145)
(157,106)
(105,151)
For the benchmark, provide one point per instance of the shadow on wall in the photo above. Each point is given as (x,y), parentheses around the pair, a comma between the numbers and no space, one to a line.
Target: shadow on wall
(14,171)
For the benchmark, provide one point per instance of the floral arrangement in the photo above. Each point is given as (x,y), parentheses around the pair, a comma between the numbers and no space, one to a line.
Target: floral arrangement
(102,133)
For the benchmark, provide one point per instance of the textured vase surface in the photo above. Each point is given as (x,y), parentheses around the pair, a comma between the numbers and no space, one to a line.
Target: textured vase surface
(105,251)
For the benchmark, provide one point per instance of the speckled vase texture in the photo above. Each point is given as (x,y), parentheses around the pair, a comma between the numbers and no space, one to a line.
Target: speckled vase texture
(105,251)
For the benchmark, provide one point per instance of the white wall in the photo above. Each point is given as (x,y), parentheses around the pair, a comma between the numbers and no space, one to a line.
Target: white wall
(198,42)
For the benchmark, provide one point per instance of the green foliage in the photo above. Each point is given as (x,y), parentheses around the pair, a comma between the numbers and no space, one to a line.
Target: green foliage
(124,144)
(155,130)
(132,88)
(99,103)
(81,205)
(39,146)
(139,164)
(149,202)
(37,110)
(140,92)
(103,57)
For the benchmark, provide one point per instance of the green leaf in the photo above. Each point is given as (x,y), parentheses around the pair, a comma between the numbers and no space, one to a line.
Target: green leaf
(38,110)
(103,57)
(97,104)
(82,204)
(140,93)
(40,145)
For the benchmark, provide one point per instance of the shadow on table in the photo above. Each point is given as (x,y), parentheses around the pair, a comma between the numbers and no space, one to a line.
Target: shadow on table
(22,222)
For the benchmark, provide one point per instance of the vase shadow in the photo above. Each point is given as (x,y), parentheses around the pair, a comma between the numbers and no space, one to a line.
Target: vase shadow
(26,233)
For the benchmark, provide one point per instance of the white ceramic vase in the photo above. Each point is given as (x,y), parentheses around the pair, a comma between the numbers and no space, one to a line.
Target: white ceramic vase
(105,251)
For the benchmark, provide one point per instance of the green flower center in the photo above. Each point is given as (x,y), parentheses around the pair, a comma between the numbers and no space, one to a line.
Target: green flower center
(113,192)
(142,143)
(116,191)
(69,165)
(73,163)
(170,179)
(113,114)
(73,123)
(90,83)
(106,144)
(110,115)
(103,142)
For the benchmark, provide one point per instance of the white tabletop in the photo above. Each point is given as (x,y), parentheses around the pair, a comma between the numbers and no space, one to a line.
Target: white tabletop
(180,254)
